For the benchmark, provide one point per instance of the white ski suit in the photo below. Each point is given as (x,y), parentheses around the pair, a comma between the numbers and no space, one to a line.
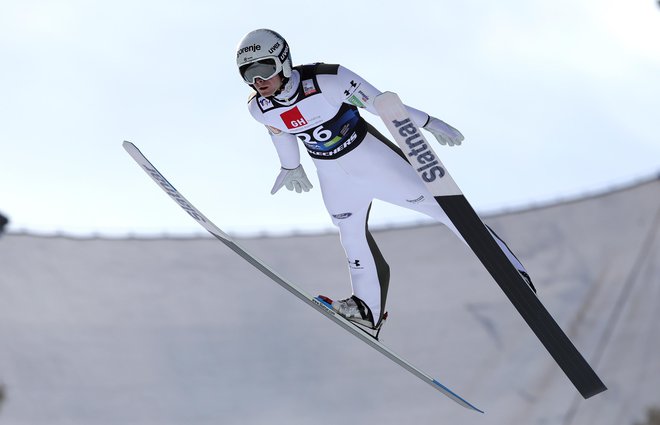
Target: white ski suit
(355,163)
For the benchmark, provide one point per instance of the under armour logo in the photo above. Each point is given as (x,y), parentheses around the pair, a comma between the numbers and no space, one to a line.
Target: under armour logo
(353,86)
(355,264)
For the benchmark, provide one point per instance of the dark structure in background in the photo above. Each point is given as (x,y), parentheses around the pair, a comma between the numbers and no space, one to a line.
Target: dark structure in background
(2,395)
(3,222)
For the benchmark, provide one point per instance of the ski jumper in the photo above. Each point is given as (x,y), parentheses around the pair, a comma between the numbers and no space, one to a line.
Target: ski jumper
(355,164)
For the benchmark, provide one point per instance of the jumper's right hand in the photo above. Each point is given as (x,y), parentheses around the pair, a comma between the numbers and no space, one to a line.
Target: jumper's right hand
(294,179)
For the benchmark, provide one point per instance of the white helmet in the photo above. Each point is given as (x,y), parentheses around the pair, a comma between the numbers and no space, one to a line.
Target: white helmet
(263,53)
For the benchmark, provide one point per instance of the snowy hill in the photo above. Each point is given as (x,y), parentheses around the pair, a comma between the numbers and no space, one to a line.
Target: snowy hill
(182,331)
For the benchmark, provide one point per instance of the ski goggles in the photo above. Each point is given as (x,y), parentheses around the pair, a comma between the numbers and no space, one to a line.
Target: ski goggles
(264,69)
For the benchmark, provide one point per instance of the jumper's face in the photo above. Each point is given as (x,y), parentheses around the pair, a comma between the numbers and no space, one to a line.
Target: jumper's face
(268,87)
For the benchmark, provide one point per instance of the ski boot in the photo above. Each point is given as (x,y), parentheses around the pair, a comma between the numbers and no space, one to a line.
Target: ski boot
(527,279)
(356,311)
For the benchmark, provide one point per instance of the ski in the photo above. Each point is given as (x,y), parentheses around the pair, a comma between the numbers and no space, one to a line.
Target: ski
(313,302)
(448,195)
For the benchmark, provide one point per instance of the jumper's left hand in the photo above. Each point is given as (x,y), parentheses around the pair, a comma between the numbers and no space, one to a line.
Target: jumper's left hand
(446,134)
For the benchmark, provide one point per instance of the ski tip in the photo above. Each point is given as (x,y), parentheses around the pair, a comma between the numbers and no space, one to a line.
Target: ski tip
(386,97)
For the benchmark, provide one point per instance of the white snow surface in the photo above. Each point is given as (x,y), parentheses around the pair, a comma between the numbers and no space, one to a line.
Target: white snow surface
(183,331)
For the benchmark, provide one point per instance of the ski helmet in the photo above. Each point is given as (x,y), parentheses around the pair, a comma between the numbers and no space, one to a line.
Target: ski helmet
(263,53)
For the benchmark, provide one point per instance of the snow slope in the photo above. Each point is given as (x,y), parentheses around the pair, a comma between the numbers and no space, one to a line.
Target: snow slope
(174,331)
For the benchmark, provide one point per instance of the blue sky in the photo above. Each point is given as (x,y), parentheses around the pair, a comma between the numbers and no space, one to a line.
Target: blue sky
(554,98)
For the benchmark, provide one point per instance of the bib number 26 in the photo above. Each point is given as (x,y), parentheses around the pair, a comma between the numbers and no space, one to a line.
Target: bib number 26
(319,134)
